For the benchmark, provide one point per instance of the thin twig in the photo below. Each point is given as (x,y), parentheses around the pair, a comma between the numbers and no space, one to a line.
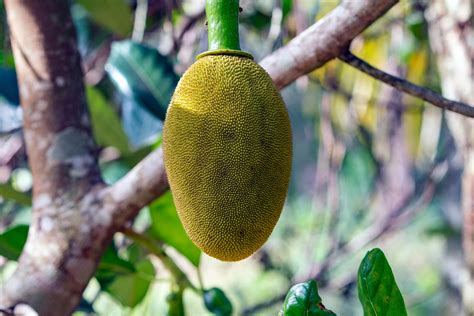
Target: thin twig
(407,87)
(347,249)
(324,40)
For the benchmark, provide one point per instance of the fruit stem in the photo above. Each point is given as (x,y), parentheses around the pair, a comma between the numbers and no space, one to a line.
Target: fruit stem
(223,24)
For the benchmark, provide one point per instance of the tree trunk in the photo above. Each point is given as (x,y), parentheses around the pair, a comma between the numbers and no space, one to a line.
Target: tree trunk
(63,244)
(451,35)
(74,214)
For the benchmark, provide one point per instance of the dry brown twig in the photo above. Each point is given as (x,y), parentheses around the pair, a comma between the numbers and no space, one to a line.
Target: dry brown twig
(407,87)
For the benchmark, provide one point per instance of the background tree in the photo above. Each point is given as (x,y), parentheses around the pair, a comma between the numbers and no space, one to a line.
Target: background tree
(372,165)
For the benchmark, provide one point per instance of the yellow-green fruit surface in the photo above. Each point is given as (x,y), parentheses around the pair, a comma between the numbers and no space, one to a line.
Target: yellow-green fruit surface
(227,152)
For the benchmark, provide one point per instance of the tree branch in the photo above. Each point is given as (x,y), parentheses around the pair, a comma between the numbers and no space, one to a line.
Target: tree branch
(323,41)
(314,47)
(407,87)
(138,188)
(74,216)
(392,221)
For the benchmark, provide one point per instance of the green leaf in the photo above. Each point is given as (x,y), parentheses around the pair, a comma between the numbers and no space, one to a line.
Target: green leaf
(287,6)
(89,34)
(7,192)
(130,289)
(142,74)
(114,15)
(114,171)
(167,227)
(12,242)
(9,87)
(357,177)
(417,25)
(304,299)
(217,302)
(112,262)
(141,126)
(112,266)
(175,303)
(378,291)
(106,124)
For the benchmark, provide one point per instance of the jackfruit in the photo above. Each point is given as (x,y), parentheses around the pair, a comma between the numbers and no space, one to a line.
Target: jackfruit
(227,152)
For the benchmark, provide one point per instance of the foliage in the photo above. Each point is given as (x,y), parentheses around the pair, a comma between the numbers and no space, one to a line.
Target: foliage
(378,291)
(357,144)
(217,302)
(304,299)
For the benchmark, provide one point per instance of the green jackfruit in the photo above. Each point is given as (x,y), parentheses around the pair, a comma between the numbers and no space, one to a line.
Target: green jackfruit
(227,152)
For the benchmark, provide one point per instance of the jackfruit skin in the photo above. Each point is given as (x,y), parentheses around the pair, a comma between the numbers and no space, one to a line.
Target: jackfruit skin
(227,152)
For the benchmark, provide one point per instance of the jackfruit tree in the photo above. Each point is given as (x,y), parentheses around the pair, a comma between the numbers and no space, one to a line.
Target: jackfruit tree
(137,158)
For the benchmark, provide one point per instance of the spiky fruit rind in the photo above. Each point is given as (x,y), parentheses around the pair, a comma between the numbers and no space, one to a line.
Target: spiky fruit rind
(227,150)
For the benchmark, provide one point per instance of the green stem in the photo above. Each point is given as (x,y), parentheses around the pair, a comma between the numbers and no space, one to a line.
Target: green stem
(159,252)
(223,24)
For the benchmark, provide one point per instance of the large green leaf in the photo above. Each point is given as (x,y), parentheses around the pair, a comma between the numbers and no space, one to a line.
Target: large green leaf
(304,299)
(142,74)
(12,241)
(106,124)
(141,126)
(378,291)
(167,227)
(115,15)
(89,34)
(130,289)
(217,302)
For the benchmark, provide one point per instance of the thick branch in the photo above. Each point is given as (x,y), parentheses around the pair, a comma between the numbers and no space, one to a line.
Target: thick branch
(320,43)
(323,41)
(408,87)
(139,187)
(74,219)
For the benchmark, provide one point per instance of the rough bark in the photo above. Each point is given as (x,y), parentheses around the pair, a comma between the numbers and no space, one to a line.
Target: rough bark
(63,245)
(408,87)
(451,33)
(310,50)
(74,214)
(323,41)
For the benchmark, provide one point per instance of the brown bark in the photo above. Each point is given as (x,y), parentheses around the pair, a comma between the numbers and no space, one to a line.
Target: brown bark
(311,49)
(451,33)
(63,243)
(408,87)
(74,214)
(323,41)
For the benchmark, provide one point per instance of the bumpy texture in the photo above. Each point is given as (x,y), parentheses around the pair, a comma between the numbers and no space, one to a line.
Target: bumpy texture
(227,152)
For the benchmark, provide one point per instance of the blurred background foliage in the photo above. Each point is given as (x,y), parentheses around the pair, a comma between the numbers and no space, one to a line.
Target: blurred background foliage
(371,167)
